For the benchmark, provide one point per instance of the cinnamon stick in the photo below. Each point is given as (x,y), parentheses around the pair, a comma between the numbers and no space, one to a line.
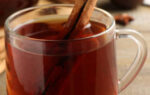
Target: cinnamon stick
(78,19)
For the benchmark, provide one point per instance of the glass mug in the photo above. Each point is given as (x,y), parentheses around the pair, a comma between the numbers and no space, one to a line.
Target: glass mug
(66,67)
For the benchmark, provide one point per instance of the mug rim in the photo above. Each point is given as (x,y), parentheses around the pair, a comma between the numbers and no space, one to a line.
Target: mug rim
(6,25)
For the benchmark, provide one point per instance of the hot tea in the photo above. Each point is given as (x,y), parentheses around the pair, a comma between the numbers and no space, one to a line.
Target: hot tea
(40,63)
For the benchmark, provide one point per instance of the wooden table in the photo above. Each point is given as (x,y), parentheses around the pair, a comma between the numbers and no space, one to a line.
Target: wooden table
(126,50)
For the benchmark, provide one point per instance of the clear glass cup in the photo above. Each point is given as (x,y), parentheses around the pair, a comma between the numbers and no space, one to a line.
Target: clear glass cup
(83,66)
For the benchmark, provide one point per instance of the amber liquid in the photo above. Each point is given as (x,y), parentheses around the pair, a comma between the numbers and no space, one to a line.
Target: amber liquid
(33,70)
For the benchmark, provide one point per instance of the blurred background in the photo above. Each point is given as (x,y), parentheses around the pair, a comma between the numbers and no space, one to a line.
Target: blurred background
(133,14)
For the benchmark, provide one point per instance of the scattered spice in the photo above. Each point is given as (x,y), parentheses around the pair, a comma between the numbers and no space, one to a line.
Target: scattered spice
(123,19)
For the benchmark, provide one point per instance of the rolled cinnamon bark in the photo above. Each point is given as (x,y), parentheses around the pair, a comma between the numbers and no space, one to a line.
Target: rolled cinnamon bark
(78,19)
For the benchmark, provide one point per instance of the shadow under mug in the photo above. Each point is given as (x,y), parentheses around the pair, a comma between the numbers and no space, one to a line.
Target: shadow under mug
(85,66)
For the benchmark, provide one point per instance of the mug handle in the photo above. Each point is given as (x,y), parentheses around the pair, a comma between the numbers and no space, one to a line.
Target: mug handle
(139,59)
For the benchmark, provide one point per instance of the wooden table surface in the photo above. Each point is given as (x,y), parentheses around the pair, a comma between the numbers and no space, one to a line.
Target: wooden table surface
(126,50)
